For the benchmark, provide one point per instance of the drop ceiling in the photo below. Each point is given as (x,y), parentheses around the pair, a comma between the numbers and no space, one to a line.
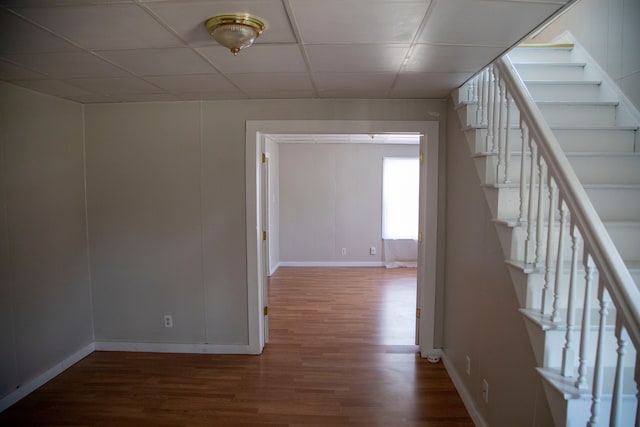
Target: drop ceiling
(95,51)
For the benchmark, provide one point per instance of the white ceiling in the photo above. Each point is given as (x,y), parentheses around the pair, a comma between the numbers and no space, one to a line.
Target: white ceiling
(145,50)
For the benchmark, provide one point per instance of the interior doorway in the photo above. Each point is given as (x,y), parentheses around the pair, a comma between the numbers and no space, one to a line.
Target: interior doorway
(255,137)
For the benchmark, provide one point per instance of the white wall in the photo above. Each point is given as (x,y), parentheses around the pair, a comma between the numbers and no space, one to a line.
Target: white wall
(45,296)
(610,31)
(166,185)
(331,198)
(481,317)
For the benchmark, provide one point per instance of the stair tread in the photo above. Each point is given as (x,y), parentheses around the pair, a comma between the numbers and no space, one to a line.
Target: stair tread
(563,128)
(576,103)
(586,186)
(551,63)
(564,82)
(566,385)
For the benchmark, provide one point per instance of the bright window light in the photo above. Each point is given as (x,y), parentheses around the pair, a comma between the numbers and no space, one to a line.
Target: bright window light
(400,195)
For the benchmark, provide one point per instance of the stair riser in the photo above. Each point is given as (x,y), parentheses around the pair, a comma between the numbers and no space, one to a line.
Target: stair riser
(550,72)
(589,169)
(626,240)
(559,115)
(576,412)
(541,55)
(565,92)
(548,345)
(570,140)
(612,204)
(578,115)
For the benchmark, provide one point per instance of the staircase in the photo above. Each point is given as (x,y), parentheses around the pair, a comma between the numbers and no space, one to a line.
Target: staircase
(547,130)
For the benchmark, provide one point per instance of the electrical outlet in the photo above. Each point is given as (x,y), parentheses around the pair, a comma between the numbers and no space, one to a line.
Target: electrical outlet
(168,321)
(372,250)
(485,391)
(344,251)
(468,366)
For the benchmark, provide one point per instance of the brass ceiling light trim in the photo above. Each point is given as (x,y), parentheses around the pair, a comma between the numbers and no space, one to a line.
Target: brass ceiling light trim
(235,31)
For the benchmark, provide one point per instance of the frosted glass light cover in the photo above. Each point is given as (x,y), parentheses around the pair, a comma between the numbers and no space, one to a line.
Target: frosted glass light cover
(234,36)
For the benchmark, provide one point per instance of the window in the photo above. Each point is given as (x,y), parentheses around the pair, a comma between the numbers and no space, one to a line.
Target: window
(400,195)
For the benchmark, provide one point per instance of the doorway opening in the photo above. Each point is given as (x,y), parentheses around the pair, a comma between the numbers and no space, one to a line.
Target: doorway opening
(257,132)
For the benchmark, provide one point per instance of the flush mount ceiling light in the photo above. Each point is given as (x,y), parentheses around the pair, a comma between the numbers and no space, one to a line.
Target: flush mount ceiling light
(235,31)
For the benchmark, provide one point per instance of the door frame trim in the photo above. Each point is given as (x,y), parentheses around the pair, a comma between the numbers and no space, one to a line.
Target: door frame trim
(427,249)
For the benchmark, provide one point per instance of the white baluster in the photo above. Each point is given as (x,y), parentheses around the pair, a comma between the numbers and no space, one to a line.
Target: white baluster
(507,142)
(583,360)
(568,354)
(523,185)
(548,257)
(485,98)
(496,106)
(478,97)
(490,93)
(530,245)
(555,313)
(500,130)
(616,400)
(636,377)
(540,214)
(599,368)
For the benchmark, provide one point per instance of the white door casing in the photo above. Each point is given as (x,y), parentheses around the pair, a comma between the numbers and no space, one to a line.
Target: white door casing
(427,247)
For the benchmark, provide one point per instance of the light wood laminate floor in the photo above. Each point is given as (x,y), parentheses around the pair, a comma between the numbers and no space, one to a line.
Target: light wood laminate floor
(340,354)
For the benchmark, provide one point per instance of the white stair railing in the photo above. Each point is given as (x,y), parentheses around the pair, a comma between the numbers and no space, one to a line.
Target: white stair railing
(497,90)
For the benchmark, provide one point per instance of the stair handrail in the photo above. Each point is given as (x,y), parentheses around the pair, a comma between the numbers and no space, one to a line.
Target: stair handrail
(617,280)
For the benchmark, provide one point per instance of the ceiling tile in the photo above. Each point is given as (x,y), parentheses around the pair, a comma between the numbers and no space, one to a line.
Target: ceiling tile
(358,21)
(261,82)
(18,36)
(9,71)
(430,58)
(356,58)
(104,27)
(157,62)
(148,97)
(211,96)
(193,83)
(94,99)
(49,3)
(417,85)
(484,22)
(353,81)
(262,58)
(359,94)
(115,85)
(188,18)
(282,94)
(52,87)
(67,65)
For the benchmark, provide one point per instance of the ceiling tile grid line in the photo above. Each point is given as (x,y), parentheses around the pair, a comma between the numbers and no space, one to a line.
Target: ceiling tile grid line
(426,17)
(139,50)
(175,32)
(296,31)
(81,48)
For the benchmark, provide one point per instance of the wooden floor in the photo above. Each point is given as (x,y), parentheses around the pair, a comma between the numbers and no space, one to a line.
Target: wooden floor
(340,353)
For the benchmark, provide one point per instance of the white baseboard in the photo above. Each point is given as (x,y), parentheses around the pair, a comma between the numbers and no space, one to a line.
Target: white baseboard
(150,347)
(331,264)
(274,269)
(46,376)
(466,397)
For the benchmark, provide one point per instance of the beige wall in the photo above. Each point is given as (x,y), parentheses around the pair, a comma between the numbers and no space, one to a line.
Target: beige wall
(45,295)
(331,198)
(610,31)
(166,185)
(481,317)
